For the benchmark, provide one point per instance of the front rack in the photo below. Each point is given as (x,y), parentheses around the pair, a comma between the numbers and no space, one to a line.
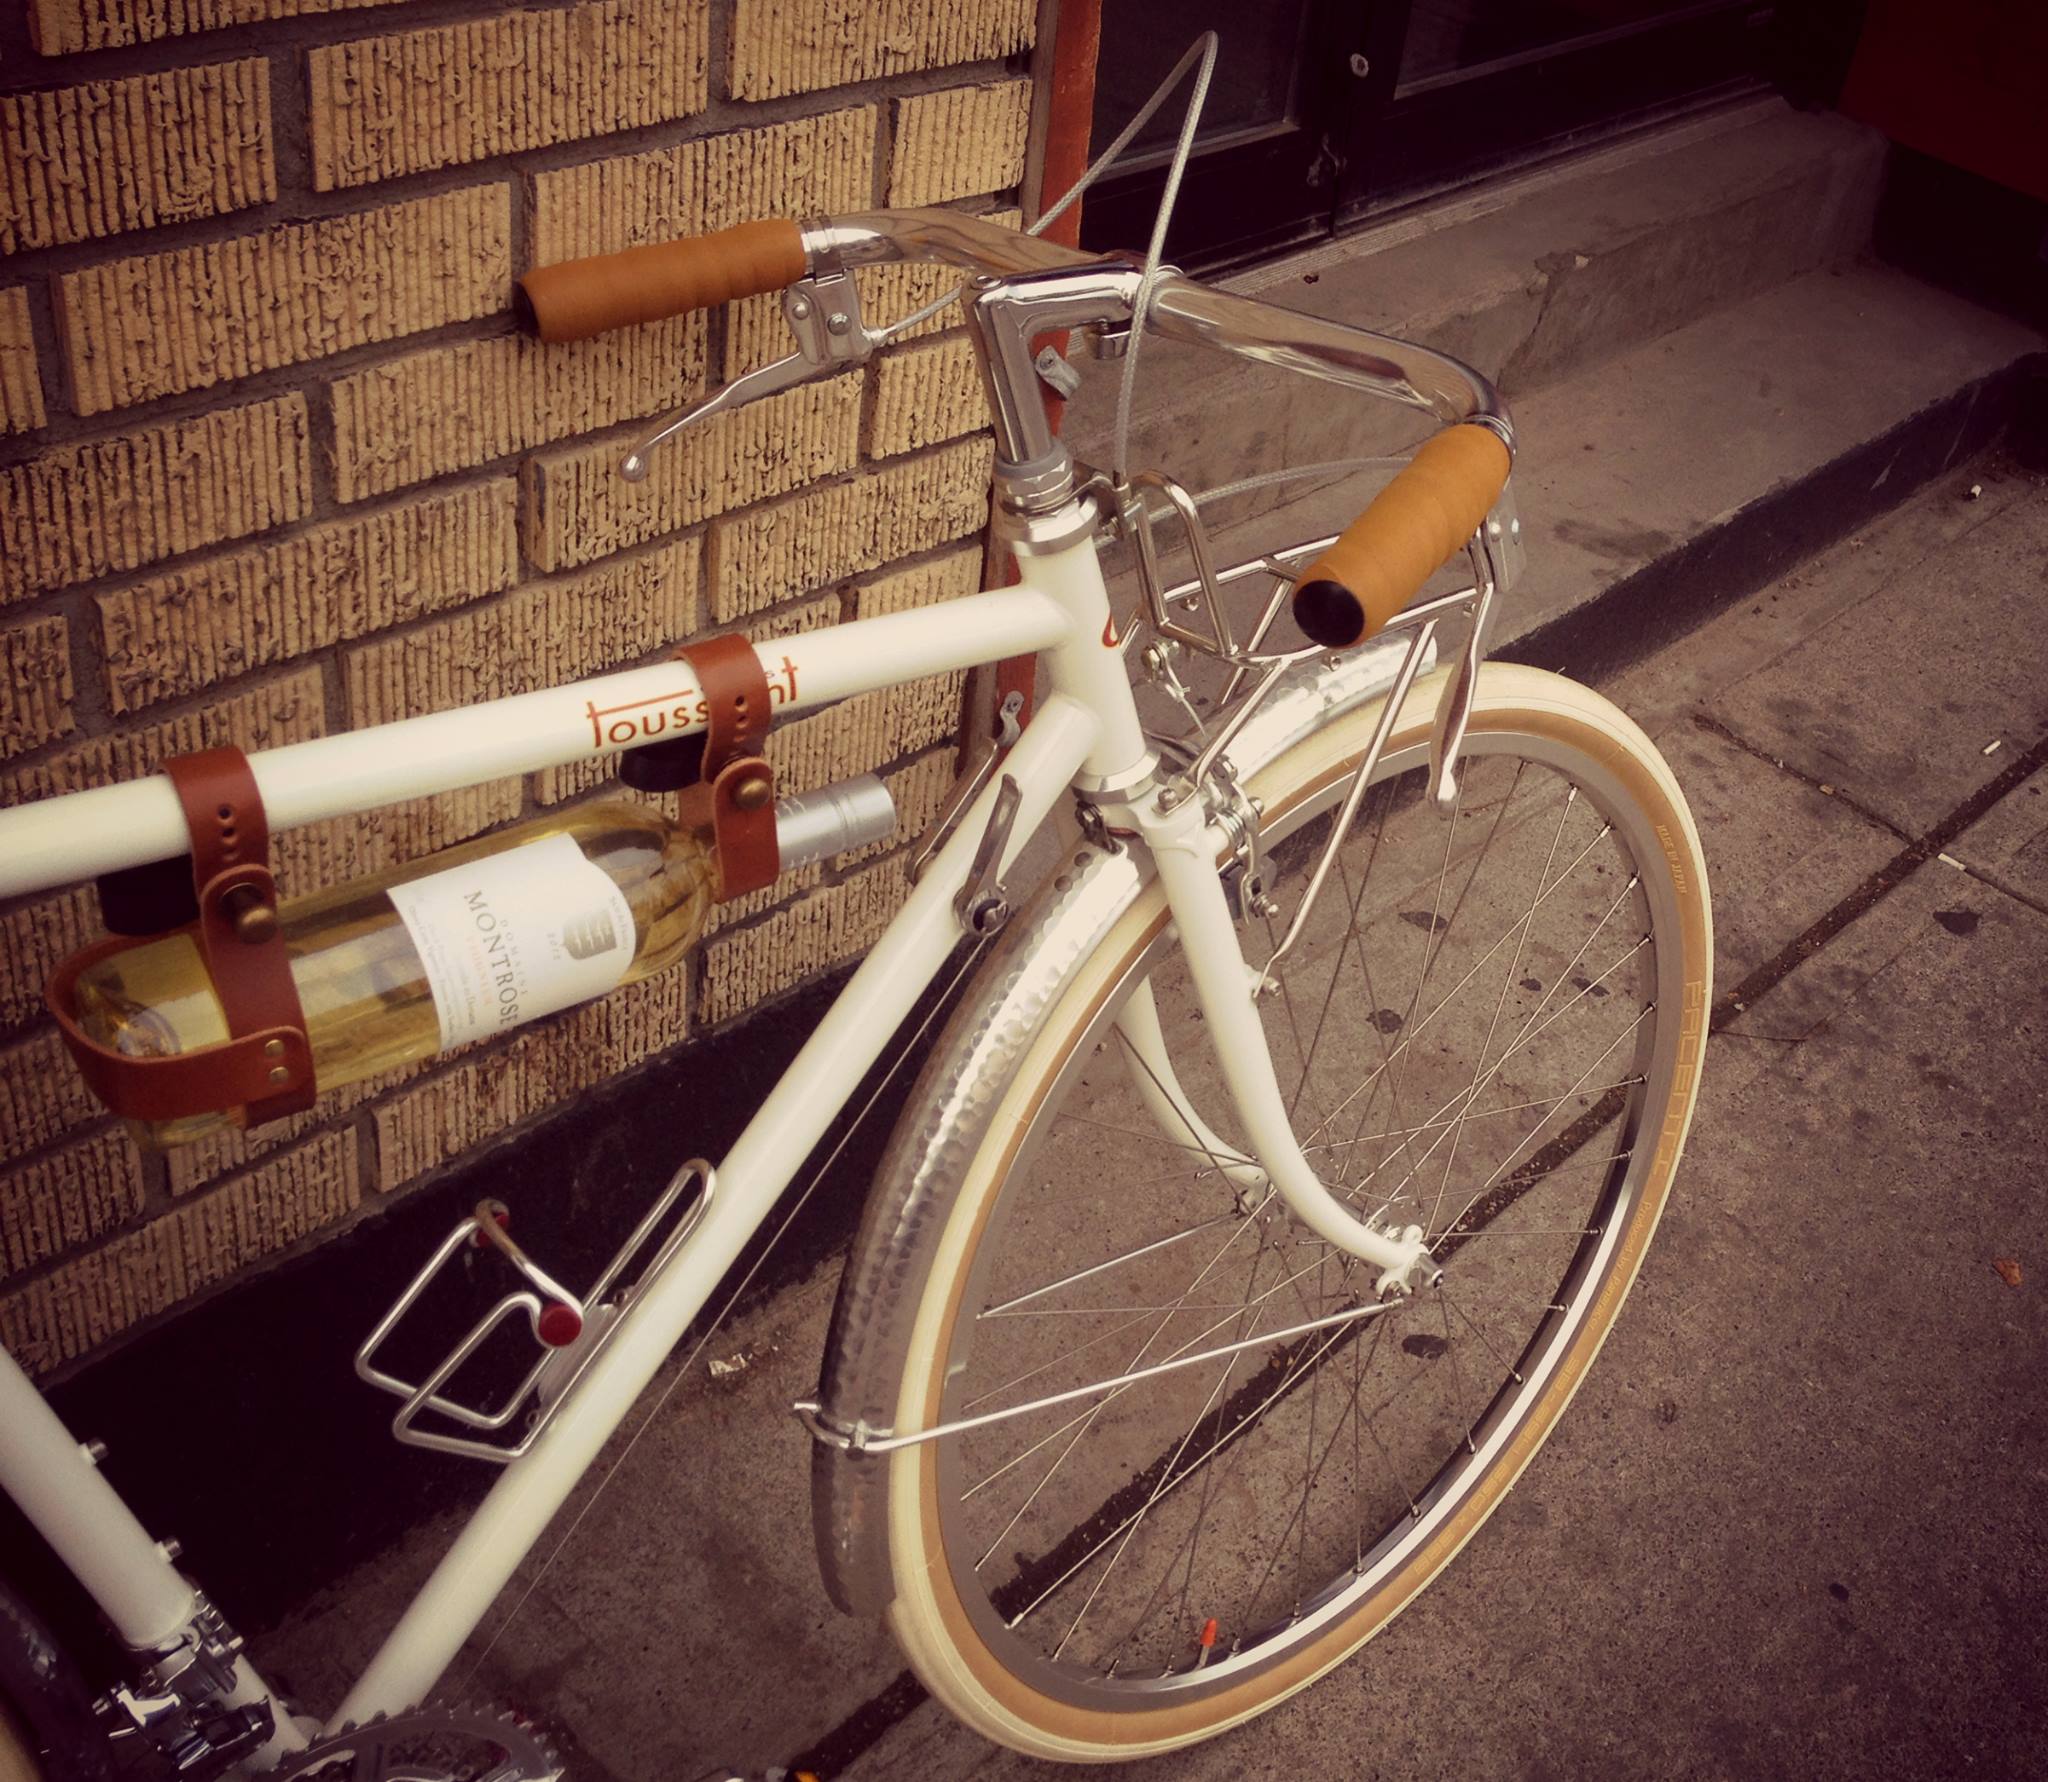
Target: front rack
(1494,553)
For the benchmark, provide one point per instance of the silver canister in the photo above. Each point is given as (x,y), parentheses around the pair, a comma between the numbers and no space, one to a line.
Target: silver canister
(833,820)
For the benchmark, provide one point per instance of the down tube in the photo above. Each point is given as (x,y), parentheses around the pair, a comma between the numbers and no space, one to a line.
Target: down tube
(752,1177)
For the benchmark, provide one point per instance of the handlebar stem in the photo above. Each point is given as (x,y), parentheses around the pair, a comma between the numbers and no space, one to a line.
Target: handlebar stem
(1004,316)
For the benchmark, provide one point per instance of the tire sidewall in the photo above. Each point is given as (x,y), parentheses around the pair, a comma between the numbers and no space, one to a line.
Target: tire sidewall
(45,1707)
(928,1616)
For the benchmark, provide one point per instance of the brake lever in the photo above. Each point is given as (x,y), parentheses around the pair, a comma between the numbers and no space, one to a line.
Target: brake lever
(823,312)
(764,380)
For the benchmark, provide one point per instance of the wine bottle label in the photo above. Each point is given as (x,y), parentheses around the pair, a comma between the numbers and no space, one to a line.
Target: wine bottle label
(516,935)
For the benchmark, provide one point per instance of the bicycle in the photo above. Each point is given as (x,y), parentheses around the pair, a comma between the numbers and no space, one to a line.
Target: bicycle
(1125,1453)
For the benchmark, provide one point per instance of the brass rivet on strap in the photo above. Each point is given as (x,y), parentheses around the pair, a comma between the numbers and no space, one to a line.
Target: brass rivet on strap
(255,921)
(751,794)
(273,1048)
(280,1076)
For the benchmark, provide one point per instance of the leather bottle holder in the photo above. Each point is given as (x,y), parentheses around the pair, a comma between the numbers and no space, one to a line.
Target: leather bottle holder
(735,791)
(265,1066)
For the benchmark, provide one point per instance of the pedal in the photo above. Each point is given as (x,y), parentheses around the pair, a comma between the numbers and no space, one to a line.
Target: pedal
(569,1330)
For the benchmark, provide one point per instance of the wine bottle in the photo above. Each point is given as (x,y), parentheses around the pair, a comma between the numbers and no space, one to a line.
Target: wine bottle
(407,963)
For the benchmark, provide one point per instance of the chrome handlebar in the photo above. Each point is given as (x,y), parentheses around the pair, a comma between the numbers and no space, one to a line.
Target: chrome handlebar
(1044,285)
(1022,286)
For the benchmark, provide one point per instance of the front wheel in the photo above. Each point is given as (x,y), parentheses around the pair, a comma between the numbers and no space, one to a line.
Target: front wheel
(1493,1029)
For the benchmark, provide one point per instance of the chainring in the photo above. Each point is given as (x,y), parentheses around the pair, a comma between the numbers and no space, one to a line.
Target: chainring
(435,1743)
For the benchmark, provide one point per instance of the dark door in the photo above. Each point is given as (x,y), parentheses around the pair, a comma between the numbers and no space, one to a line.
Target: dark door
(1261,176)
(1327,111)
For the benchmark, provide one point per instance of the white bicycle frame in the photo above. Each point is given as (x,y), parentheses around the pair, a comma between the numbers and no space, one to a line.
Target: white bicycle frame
(1085,735)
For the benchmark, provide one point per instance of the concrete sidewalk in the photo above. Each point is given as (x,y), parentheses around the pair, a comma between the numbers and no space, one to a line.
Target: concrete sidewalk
(1793,1523)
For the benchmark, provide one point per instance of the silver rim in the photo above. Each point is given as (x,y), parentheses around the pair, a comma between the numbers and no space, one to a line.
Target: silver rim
(1474,1037)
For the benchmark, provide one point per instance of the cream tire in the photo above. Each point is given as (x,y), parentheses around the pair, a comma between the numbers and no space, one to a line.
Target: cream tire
(954,1639)
(17,1761)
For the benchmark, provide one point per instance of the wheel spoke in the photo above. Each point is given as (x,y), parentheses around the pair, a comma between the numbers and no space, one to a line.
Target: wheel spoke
(1516,1044)
(1350,946)
(1432,1124)
(1500,1002)
(1138,1521)
(1410,1035)
(1502,1168)
(1144,1348)
(1010,1305)
(1121,1530)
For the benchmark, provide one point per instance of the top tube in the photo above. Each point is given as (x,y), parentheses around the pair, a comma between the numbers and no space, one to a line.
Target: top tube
(54,841)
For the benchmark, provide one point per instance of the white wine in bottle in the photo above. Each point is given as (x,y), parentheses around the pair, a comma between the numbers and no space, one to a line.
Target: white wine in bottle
(407,963)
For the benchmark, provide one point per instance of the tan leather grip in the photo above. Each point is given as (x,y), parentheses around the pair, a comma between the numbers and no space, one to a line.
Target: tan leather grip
(577,298)
(1410,530)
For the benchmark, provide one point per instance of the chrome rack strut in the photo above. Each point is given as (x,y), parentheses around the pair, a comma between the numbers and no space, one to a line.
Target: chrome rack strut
(860,1440)
(1447,730)
(1354,796)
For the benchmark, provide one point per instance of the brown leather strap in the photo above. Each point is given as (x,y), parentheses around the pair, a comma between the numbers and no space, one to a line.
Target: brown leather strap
(740,781)
(239,932)
(743,826)
(238,1073)
(730,678)
(265,1067)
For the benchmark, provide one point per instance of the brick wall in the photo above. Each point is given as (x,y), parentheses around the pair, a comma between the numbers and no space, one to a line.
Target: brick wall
(273,463)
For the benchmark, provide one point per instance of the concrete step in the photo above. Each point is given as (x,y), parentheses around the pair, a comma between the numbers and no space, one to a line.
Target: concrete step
(1667,480)
(1531,279)
(1725,451)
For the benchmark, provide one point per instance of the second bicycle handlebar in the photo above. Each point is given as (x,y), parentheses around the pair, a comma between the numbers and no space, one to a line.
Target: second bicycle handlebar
(1411,529)
(575,297)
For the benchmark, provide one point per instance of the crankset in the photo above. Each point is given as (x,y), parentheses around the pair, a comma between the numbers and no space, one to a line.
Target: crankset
(435,1743)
